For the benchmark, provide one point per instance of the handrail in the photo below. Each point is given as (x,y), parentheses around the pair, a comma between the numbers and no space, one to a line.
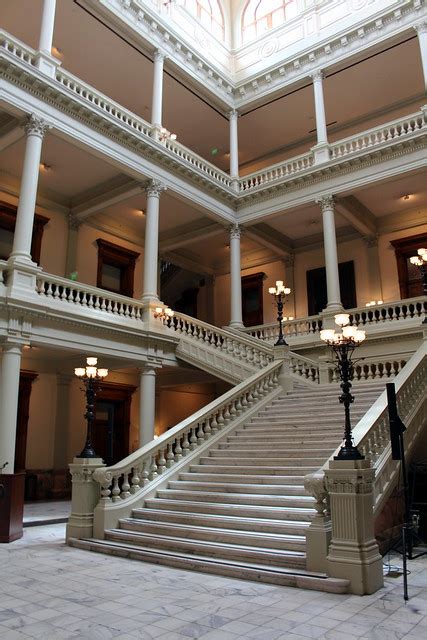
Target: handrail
(275,172)
(132,474)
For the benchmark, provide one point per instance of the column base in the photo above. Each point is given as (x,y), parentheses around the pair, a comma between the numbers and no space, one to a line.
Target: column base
(21,277)
(84,497)
(149,307)
(236,325)
(12,487)
(47,63)
(321,153)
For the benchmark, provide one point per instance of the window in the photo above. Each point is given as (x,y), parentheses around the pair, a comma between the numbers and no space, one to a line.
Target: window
(116,267)
(7,230)
(209,14)
(260,16)
(410,279)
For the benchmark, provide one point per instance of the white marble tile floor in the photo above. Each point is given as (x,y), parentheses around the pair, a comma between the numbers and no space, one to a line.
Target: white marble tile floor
(54,592)
(46,512)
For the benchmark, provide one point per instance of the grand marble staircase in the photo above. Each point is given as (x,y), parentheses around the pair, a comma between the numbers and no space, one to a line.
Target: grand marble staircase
(241,509)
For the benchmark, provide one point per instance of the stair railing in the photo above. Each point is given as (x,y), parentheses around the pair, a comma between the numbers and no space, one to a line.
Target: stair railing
(123,485)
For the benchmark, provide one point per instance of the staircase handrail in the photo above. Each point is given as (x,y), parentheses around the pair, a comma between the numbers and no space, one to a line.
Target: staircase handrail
(371,434)
(132,474)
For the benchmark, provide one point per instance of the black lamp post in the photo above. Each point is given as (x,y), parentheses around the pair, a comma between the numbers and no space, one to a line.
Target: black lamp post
(420,261)
(343,345)
(280,292)
(91,377)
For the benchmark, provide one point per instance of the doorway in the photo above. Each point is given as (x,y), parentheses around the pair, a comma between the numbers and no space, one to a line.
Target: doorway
(316,288)
(112,421)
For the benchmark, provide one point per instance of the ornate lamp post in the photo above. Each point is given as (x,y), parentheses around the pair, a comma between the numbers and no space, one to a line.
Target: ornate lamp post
(420,261)
(280,292)
(91,377)
(343,345)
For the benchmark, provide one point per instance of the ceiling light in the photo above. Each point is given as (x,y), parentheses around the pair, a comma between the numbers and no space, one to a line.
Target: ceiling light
(407,196)
(55,51)
(45,167)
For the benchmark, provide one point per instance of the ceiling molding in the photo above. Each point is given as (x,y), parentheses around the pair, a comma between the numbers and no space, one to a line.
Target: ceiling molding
(277,242)
(188,234)
(46,198)
(190,263)
(107,198)
(10,135)
(359,216)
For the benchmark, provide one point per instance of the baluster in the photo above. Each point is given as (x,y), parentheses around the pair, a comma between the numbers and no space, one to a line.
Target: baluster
(116,489)
(214,424)
(105,488)
(49,290)
(207,427)
(226,415)
(233,412)
(200,433)
(135,480)
(220,419)
(169,456)
(185,444)
(239,406)
(161,464)
(153,467)
(146,472)
(193,439)
(125,486)
(244,402)
(178,450)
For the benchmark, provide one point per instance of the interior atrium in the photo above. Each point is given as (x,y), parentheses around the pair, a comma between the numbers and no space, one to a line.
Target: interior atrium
(190,192)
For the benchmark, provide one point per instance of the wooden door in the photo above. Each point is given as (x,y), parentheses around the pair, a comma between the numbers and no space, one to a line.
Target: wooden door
(252,299)
(26,380)
(317,296)
(112,421)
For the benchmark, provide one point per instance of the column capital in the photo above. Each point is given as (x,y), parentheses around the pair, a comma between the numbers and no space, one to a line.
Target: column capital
(233,114)
(159,56)
(421,27)
(317,75)
(73,221)
(289,261)
(35,125)
(371,241)
(154,188)
(235,231)
(326,202)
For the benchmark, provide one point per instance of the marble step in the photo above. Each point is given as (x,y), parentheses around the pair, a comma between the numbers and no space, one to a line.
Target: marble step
(269,489)
(253,470)
(263,500)
(291,449)
(241,570)
(259,555)
(289,430)
(250,511)
(285,439)
(280,541)
(318,417)
(242,478)
(270,455)
(265,525)
(272,461)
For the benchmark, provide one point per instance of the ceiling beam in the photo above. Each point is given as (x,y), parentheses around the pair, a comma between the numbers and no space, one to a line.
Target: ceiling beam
(277,242)
(189,263)
(188,234)
(93,204)
(359,216)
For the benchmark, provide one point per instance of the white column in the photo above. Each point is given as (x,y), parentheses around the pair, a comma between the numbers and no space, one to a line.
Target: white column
(321,150)
(421,30)
(9,389)
(151,242)
(48,21)
(331,255)
(157,102)
(236,320)
(147,405)
(35,128)
(234,145)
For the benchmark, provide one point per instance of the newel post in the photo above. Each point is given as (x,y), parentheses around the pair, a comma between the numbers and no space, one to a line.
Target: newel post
(353,551)
(85,494)
(282,352)
(319,533)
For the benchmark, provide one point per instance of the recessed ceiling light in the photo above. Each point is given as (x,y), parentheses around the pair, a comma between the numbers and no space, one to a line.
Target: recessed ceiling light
(57,52)
(45,167)
(407,196)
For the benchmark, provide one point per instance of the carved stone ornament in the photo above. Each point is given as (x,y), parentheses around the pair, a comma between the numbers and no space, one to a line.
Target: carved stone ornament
(371,241)
(154,188)
(235,232)
(421,27)
(35,125)
(315,485)
(233,114)
(102,476)
(83,475)
(73,221)
(159,56)
(317,75)
(326,202)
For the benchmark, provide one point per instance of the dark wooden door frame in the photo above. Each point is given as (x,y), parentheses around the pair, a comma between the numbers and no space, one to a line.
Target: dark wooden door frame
(404,248)
(118,392)
(26,380)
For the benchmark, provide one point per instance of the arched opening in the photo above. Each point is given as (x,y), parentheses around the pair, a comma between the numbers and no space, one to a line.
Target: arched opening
(260,16)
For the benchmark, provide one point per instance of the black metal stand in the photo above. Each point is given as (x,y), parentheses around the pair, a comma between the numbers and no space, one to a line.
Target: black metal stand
(343,352)
(280,303)
(91,387)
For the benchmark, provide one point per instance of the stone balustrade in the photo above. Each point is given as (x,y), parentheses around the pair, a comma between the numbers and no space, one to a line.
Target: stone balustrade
(276,172)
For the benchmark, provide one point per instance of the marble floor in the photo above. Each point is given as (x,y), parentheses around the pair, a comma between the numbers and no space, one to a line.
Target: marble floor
(51,591)
(45,512)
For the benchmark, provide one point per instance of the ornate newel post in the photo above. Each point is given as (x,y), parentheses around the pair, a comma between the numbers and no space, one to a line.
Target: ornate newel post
(319,533)
(282,352)
(353,551)
(85,494)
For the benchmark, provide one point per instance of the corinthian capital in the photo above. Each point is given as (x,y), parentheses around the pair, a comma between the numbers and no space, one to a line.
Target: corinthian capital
(35,125)
(159,56)
(154,188)
(421,27)
(326,202)
(317,75)
(235,231)
(233,114)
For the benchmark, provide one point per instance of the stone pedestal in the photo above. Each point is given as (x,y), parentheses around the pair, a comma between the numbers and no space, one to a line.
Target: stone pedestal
(85,495)
(319,533)
(353,552)
(282,352)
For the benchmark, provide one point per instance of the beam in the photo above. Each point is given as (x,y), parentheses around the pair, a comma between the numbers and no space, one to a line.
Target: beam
(9,136)
(123,188)
(189,233)
(277,242)
(359,216)
(189,263)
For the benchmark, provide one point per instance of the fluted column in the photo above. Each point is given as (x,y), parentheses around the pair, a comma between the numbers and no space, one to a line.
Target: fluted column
(35,129)
(151,242)
(44,59)
(157,101)
(9,390)
(421,30)
(234,145)
(321,150)
(147,405)
(326,204)
(236,320)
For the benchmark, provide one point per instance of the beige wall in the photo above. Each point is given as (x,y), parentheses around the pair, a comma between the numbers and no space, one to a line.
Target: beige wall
(41,422)
(174,405)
